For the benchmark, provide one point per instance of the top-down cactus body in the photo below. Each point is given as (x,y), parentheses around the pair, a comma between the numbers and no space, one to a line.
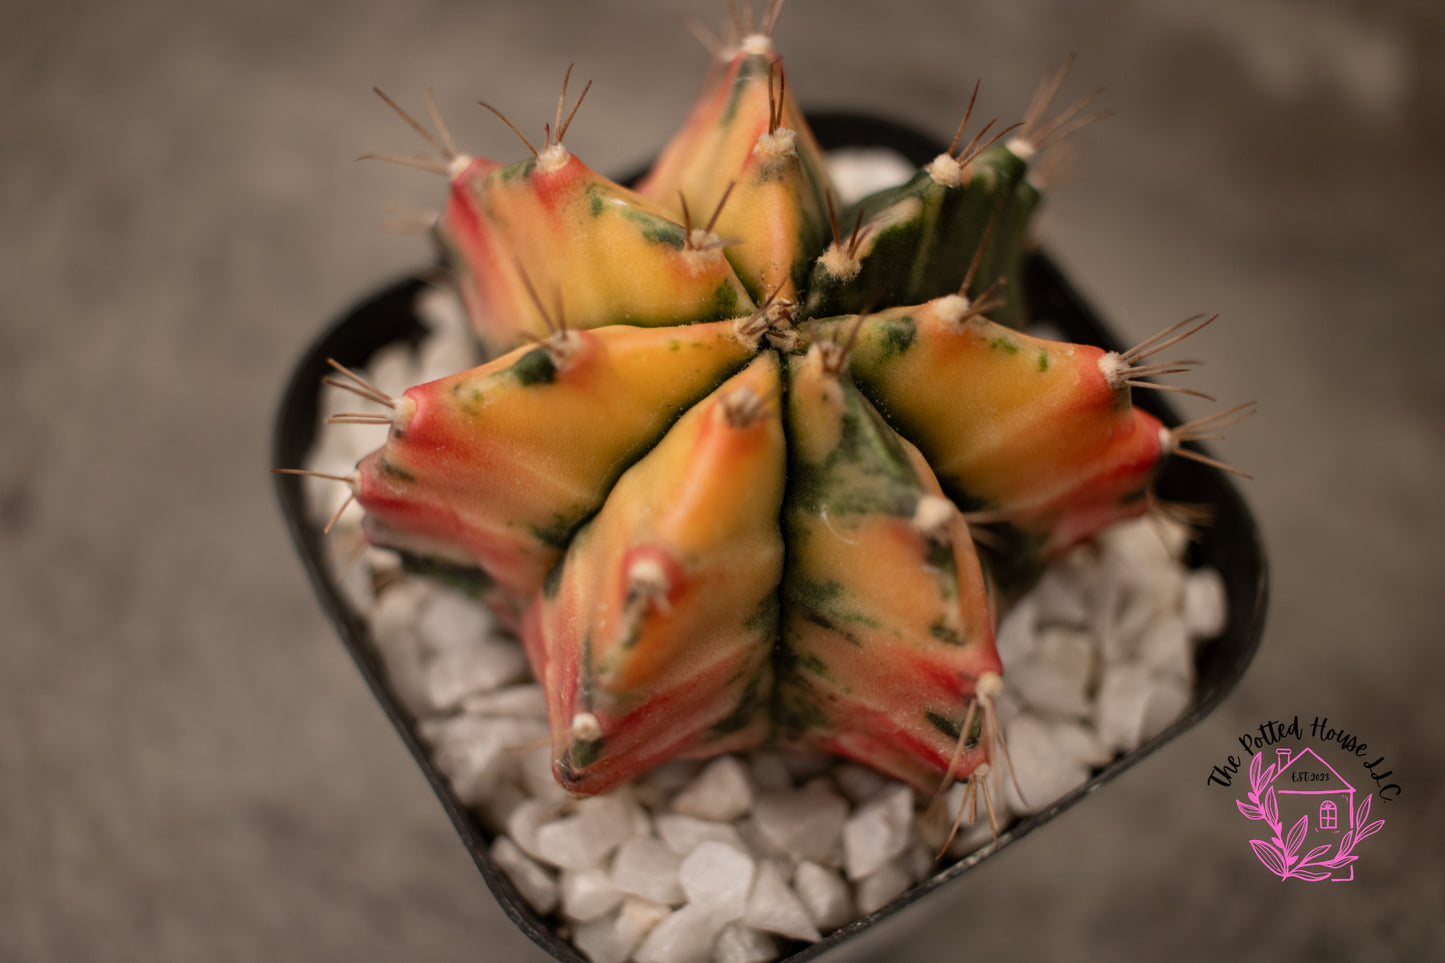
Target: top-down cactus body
(749,464)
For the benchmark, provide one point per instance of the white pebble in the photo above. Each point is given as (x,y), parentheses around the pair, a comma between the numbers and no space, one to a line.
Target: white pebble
(856,172)
(1206,606)
(1055,677)
(641,820)
(1167,701)
(919,862)
(588,893)
(683,834)
(886,884)
(1144,568)
(585,839)
(878,832)
(859,783)
(499,804)
(534,883)
(535,765)
(769,772)
(1076,741)
(477,754)
(721,792)
(742,944)
(612,939)
(1017,631)
(453,620)
(1174,536)
(1008,702)
(393,627)
(656,787)
(454,674)
(1131,615)
(1043,769)
(805,823)
(1145,546)
(392,369)
(805,764)
(718,877)
(673,775)
(1062,595)
(1119,715)
(524,701)
(686,936)
(439,357)
(525,822)
(451,345)
(1165,649)
(825,894)
(646,867)
(598,941)
(638,916)
(758,843)
(774,907)
(538,775)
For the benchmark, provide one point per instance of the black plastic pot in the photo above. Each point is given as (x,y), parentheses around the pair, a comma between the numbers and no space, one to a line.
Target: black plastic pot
(1231,544)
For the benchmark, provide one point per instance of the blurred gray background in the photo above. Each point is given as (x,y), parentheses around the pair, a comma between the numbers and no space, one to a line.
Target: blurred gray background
(191,768)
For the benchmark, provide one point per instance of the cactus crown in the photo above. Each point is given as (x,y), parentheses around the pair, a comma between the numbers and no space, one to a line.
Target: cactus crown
(726,465)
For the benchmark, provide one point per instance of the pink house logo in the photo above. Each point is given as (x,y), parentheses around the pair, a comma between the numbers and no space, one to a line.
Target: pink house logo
(1326,822)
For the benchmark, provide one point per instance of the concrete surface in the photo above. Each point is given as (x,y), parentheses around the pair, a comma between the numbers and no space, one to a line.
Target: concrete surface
(190,768)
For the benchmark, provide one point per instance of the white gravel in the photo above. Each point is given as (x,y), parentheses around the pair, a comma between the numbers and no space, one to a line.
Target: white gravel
(731,859)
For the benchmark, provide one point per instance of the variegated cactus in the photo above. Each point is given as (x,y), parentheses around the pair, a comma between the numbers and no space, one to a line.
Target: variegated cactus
(726,468)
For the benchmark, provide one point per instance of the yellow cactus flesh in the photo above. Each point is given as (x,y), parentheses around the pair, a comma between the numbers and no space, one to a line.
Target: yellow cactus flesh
(524,447)
(746,141)
(660,620)
(886,613)
(1004,418)
(568,247)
